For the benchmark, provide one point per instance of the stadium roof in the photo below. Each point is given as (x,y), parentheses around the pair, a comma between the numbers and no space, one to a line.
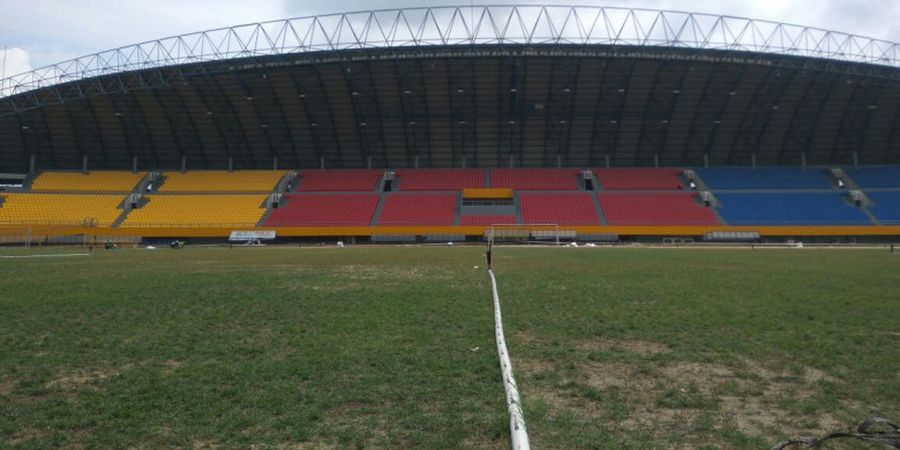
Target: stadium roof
(448,86)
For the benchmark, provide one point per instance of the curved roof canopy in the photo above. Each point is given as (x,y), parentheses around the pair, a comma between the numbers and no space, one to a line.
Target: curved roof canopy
(475,25)
(486,86)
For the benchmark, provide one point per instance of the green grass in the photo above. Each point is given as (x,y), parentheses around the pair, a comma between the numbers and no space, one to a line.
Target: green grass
(371,347)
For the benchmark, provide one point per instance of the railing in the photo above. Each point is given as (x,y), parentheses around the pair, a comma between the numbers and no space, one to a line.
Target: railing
(469,25)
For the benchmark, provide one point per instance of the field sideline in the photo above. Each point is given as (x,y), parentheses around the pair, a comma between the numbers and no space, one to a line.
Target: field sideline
(393,347)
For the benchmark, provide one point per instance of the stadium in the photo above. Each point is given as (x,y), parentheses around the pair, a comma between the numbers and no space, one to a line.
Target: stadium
(686,156)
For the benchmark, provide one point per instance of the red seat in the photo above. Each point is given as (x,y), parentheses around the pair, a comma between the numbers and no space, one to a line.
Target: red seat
(324,210)
(639,178)
(440,179)
(561,209)
(418,209)
(536,179)
(654,209)
(339,180)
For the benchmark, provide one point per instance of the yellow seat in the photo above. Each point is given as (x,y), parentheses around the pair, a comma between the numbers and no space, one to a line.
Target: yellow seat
(222,181)
(102,181)
(197,211)
(60,209)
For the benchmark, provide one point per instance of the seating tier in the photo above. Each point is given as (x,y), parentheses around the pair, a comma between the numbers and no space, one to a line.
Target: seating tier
(440,179)
(876,177)
(234,210)
(339,180)
(100,181)
(60,209)
(639,178)
(324,210)
(789,209)
(558,208)
(418,209)
(655,209)
(536,179)
(886,207)
(222,181)
(764,178)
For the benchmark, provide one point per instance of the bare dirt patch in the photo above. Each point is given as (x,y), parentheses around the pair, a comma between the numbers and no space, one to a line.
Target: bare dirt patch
(26,434)
(750,398)
(81,379)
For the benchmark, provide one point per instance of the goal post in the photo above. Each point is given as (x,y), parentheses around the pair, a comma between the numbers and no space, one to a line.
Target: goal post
(547,233)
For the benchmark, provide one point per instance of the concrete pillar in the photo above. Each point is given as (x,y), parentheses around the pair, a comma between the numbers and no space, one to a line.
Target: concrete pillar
(606,158)
(803,160)
(656,160)
(231,163)
(84,163)
(183,163)
(322,162)
(753,161)
(706,160)
(274,162)
(416,162)
(369,162)
(134,164)
(510,161)
(855,159)
(32,164)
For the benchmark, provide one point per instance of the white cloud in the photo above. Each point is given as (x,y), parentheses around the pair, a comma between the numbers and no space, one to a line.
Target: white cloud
(51,31)
(15,61)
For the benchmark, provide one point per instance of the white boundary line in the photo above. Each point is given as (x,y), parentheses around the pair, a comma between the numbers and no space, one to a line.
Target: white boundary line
(52,255)
(518,433)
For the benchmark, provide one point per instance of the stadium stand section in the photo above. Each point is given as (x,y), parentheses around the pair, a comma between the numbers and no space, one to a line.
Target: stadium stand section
(184,210)
(558,208)
(485,220)
(60,209)
(535,179)
(875,177)
(105,181)
(886,207)
(418,209)
(655,209)
(737,178)
(440,179)
(639,178)
(324,209)
(221,181)
(339,180)
(822,208)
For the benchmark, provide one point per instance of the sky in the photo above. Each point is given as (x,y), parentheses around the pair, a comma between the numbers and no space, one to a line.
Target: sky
(37,33)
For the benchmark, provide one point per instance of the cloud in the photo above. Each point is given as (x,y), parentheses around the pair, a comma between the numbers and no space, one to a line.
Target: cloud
(51,31)
(15,61)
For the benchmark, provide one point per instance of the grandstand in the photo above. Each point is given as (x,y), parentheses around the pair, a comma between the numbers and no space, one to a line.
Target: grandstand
(640,141)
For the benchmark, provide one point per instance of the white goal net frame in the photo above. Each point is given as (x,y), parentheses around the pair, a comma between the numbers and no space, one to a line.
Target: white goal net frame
(525,232)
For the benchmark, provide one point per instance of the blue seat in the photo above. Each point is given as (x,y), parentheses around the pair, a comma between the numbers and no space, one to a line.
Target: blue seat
(886,207)
(876,177)
(789,209)
(764,178)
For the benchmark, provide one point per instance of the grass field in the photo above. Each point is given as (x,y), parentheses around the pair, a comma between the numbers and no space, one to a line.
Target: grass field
(393,347)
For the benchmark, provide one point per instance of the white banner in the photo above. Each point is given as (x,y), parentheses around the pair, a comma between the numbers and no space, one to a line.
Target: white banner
(251,235)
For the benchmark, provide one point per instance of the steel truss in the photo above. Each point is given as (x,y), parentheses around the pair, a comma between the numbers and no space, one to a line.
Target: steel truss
(465,25)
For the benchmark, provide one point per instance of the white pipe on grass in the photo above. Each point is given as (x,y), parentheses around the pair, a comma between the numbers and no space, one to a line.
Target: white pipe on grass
(518,434)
